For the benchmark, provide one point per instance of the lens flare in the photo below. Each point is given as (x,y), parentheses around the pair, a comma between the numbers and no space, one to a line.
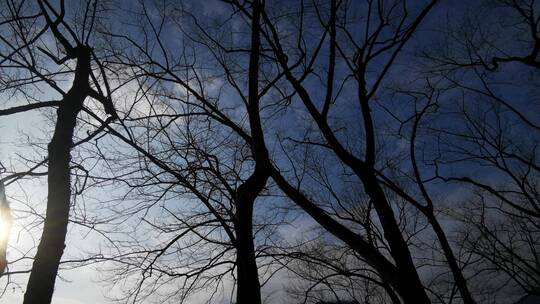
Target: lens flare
(5,227)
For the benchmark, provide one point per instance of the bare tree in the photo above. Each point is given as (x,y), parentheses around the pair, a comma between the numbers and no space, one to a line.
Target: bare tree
(421,171)
(374,182)
(489,134)
(224,178)
(28,60)
(368,50)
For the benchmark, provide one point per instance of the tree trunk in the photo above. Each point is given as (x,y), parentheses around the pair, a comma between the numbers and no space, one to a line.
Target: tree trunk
(248,286)
(40,286)
(461,282)
(410,288)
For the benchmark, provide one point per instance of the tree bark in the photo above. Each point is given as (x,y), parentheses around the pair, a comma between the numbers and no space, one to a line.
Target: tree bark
(248,286)
(40,286)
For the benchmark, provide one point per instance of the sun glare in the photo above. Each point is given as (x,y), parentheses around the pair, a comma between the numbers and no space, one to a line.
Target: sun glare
(5,226)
